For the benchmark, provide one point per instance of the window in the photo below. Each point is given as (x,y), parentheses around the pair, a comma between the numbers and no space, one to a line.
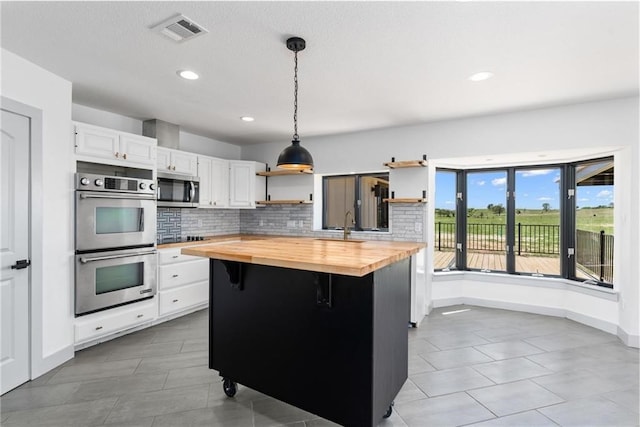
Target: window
(539,221)
(445,221)
(594,221)
(362,195)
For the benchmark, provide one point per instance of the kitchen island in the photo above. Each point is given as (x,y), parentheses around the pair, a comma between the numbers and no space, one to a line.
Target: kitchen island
(317,323)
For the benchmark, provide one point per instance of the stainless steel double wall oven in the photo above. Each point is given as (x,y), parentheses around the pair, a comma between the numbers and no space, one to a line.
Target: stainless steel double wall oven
(115,237)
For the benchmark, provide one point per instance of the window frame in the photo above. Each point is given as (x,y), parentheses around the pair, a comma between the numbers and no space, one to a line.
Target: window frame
(357,206)
(567,207)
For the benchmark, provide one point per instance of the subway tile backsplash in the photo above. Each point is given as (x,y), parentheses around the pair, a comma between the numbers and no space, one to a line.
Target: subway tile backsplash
(407,222)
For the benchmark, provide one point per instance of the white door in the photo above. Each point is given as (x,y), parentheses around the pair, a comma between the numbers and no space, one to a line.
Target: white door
(204,173)
(184,163)
(138,149)
(97,142)
(220,183)
(14,248)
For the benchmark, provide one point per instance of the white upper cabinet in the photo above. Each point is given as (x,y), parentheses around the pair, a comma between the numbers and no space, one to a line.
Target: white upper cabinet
(227,183)
(214,182)
(109,146)
(177,162)
(242,184)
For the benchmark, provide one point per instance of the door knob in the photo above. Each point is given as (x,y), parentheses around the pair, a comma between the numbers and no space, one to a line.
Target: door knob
(20,264)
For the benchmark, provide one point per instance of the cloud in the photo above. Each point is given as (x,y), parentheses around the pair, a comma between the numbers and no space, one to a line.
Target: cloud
(498,181)
(545,199)
(535,172)
(480,182)
(605,194)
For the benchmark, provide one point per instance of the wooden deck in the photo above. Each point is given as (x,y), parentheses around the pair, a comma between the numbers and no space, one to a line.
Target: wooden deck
(498,262)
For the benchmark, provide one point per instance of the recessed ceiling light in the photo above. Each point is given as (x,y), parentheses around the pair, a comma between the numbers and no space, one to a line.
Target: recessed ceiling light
(483,75)
(247,119)
(188,74)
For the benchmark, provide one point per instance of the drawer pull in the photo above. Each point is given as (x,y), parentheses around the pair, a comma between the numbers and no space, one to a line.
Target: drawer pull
(175,256)
(174,276)
(98,328)
(175,300)
(140,315)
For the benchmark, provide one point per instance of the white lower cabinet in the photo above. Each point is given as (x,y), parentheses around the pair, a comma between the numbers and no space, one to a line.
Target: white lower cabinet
(184,297)
(117,319)
(183,281)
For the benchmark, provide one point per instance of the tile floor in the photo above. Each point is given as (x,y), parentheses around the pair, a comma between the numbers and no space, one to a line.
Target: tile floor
(480,367)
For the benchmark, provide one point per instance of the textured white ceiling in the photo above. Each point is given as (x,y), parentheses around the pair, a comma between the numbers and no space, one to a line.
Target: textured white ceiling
(367,64)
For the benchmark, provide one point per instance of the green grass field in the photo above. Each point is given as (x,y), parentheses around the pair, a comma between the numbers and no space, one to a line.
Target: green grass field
(590,219)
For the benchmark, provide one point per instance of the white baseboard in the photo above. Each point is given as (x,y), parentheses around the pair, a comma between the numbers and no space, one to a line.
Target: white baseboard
(44,365)
(629,340)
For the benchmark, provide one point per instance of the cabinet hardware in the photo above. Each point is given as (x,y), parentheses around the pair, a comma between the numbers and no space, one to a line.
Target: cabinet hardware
(169,167)
(124,156)
(117,155)
(140,315)
(174,276)
(21,264)
(98,328)
(175,300)
(175,256)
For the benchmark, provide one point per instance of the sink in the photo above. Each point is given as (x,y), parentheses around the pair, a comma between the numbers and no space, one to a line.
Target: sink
(328,239)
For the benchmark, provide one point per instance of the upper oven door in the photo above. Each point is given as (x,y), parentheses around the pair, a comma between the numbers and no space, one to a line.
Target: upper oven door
(114,220)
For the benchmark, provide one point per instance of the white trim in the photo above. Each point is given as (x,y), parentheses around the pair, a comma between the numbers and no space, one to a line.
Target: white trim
(540,282)
(52,361)
(630,340)
(536,309)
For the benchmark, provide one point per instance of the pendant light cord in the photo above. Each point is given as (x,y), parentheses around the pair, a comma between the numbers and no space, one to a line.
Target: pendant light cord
(295,97)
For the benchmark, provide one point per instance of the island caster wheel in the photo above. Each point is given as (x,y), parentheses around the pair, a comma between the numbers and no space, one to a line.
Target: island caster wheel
(230,388)
(389,411)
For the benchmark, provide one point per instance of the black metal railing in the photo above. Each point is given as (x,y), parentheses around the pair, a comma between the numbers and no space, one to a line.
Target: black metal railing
(594,252)
(530,238)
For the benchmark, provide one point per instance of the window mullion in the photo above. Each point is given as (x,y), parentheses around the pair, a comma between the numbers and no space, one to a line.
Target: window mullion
(461,220)
(511,220)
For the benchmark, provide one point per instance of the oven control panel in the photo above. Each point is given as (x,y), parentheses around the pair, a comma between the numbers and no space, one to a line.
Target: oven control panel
(119,184)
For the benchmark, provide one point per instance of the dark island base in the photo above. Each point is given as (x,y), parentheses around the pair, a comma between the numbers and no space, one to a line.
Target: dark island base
(333,345)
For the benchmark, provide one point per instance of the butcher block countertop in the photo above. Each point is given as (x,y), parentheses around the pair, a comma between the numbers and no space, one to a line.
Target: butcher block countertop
(351,258)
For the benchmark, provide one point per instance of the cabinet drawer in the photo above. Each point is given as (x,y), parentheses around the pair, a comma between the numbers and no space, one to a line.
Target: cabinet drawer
(171,256)
(117,319)
(183,273)
(184,297)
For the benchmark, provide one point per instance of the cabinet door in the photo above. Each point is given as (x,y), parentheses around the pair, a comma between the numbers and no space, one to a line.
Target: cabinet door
(138,149)
(97,142)
(204,173)
(163,159)
(184,163)
(220,183)
(242,184)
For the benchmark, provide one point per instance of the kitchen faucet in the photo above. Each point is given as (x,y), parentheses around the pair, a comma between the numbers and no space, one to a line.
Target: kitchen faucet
(346,227)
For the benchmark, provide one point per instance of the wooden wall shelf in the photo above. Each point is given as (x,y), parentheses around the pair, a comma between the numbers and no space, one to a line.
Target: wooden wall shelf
(283,202)
(285,172)
(406,200)
(406,164)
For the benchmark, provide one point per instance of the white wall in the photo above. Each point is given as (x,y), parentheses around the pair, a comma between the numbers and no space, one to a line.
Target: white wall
(52,192)
(188,141)
(547,135)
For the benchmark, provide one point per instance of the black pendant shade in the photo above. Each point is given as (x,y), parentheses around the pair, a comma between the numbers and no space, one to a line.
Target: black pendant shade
(295,157)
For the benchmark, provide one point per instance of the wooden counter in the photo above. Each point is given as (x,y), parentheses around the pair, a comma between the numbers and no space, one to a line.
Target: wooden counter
(351,258)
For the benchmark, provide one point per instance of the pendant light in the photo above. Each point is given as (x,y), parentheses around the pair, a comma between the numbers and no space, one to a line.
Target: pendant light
(295,157)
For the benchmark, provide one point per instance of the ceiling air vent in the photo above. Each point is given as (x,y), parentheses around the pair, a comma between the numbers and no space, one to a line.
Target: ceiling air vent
(180,28)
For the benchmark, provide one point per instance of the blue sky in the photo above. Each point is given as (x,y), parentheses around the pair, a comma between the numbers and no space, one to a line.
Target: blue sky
(533,188)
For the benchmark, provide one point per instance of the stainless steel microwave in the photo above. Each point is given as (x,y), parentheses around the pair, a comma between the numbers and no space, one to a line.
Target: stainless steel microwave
(178,191)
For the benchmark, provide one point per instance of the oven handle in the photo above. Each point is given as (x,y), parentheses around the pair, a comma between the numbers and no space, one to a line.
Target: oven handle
(117,196)
(192,191)
(102,258)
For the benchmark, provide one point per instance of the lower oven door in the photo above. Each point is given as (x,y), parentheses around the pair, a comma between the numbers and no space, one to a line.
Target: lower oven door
(107,279)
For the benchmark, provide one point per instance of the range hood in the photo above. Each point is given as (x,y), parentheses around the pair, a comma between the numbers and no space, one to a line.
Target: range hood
(167,134)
